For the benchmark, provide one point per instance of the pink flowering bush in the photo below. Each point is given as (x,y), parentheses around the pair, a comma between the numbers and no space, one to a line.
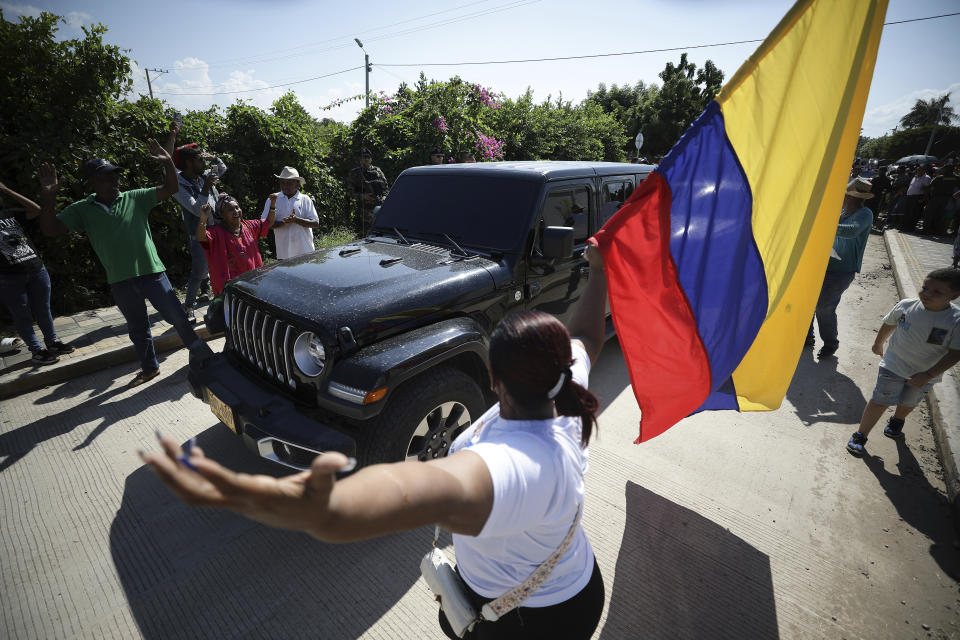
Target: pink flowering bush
(440,124)
(489,147)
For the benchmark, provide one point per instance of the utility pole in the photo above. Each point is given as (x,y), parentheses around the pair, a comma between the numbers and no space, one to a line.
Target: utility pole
(149,86)
(367,68)
(943,102)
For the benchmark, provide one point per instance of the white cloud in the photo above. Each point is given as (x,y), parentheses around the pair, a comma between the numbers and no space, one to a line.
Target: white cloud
(879,120)
(20,9)
(192,76)
(77,19)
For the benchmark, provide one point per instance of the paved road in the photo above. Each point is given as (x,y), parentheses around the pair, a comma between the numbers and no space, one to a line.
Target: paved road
(727,526)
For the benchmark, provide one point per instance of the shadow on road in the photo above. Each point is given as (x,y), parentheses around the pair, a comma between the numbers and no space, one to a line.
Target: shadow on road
(820,393)
(680,575)
(16,444)
(608,376)
(919,504)
(202,573)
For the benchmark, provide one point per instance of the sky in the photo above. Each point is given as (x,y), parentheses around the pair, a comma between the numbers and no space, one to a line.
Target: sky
(242,49)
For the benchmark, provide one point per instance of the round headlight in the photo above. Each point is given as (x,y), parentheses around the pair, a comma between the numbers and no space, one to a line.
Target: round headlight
(309,354)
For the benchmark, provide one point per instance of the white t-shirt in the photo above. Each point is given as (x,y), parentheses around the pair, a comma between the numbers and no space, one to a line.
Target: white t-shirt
(292,240)
(918,185)
(922,337)
(537,469)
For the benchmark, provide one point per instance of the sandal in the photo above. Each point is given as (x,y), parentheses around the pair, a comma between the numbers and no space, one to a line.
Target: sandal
(143,376)
(9,345)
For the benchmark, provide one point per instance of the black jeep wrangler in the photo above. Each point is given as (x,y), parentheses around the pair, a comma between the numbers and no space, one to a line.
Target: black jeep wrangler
(378,348)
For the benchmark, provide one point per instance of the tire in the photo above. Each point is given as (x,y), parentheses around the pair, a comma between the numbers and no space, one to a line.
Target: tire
(423,418)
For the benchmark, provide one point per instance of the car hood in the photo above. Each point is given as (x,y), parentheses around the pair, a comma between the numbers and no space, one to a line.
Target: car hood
(375,288)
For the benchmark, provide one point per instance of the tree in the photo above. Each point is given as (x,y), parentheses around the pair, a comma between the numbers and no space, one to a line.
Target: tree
(625,103)
(929,112)
(674,106)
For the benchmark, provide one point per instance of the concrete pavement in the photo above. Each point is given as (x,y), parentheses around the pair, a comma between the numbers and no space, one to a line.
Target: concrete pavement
(912,257)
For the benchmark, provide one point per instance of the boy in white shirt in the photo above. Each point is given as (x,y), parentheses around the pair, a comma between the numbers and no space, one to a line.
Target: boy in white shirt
(925,342)
(296,217)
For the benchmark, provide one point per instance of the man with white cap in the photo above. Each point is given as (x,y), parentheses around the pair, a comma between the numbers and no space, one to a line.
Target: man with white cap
(296,216)
(856,219)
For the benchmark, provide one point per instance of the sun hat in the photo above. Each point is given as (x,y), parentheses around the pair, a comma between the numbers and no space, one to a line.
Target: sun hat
(289,173)
(860,188)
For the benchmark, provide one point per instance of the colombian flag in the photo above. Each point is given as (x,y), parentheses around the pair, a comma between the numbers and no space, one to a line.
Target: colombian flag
(715,263)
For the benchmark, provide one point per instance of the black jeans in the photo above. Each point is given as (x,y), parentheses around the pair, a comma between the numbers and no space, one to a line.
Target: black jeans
(573,619)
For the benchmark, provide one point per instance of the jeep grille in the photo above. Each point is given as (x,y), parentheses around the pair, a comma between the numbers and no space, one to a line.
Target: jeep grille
(263,341)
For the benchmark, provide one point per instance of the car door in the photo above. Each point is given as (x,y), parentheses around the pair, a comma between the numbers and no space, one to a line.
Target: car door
(555,285)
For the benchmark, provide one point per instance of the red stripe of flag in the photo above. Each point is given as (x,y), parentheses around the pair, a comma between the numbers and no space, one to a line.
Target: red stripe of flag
(665,357)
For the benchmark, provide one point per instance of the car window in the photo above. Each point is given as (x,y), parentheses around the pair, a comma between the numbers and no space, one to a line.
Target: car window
(612,197)
(568,207)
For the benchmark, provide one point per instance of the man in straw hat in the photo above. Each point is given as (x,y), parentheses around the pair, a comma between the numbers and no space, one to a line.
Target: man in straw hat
(846,258)
(296,217)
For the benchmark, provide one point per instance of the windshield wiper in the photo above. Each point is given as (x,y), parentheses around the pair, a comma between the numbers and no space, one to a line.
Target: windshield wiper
(383,231)
(458,250)
(400,235)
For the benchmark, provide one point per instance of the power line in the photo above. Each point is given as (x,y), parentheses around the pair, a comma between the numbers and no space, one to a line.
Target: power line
(551,59)
(285,84)
(621,53)
(270,57)
(943,15)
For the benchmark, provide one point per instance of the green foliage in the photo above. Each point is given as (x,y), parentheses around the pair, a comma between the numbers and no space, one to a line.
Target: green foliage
(911,141)
(626,104)
(38,124)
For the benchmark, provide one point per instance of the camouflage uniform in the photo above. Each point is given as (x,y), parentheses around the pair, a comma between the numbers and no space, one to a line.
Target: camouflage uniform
(363,181)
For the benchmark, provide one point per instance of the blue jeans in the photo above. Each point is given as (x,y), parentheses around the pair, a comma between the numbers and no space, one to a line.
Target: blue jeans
(893,390)
(27,296)
(198,260)
(834,284)
(130,296)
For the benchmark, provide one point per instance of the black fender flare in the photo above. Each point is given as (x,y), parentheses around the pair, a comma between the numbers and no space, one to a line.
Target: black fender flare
(391,362)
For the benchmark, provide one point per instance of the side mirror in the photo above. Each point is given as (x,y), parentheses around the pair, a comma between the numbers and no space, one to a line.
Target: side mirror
(557,242)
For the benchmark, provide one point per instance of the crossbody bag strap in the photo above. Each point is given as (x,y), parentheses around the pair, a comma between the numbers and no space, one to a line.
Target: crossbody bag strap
(495,609)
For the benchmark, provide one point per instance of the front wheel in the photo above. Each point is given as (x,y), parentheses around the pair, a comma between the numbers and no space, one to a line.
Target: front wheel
(423,418)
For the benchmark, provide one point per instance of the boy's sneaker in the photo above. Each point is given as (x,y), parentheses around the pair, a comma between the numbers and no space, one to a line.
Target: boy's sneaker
(191,315)
(44,357)
(59,347)
(855,446)
(894,428)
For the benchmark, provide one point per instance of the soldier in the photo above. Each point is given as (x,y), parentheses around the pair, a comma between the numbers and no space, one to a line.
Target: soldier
(436,156)
(369,186)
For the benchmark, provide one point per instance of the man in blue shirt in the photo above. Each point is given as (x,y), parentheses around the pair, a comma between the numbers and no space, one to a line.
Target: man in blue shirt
(856,219)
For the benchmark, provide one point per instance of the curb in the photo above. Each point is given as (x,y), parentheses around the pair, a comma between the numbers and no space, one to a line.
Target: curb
(944,398)
(66,369)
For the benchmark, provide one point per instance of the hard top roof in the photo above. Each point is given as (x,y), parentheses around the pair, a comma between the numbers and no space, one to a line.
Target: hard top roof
(535,170)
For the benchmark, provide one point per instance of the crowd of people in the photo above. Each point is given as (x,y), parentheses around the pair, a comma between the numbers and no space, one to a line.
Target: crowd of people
(512,489)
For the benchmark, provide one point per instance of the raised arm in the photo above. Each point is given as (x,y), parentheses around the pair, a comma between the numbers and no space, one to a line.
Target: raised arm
(201,230)
(272,212)
(455,493)
(49,186)
(588,323)
(33,209)
(171,138)
(170,183)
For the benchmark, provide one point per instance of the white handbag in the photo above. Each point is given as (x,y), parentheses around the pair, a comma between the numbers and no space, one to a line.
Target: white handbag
(452,594)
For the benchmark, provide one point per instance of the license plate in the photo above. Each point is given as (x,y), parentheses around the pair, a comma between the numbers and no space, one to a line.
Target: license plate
(222,411)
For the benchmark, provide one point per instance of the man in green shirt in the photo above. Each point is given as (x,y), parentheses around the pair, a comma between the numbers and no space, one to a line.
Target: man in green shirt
(116,223)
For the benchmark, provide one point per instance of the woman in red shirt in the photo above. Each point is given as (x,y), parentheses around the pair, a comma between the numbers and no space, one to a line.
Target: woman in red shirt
(231,246)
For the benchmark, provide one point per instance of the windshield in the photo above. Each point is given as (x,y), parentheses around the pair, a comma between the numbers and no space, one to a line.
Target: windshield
(489,212)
